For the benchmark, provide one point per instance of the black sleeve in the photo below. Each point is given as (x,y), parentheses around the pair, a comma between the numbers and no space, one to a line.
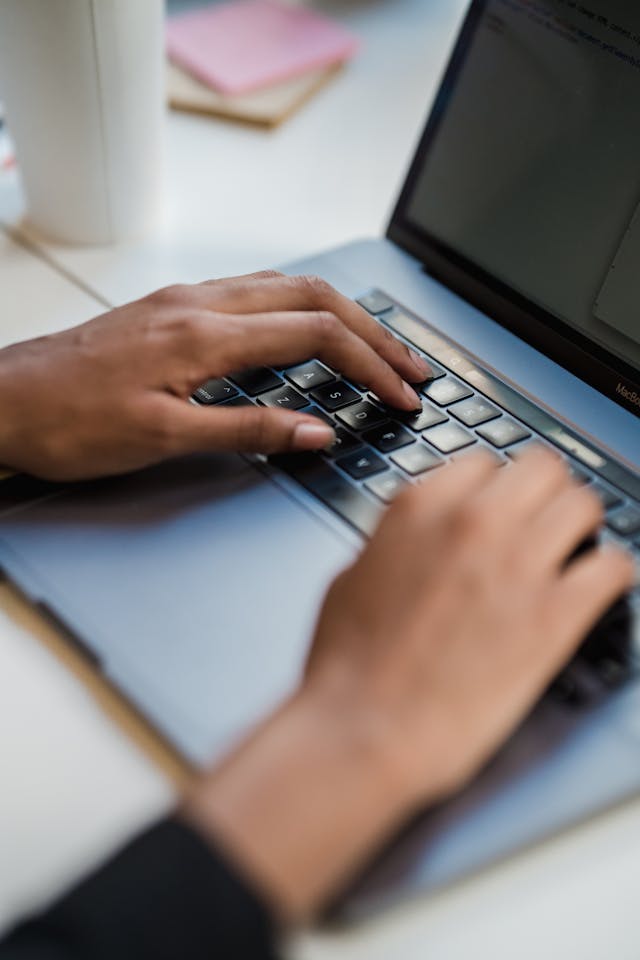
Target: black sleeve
(166,896)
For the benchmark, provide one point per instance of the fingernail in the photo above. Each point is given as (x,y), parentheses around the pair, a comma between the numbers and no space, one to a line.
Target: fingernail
(421,366)
(312,436)
(412,397)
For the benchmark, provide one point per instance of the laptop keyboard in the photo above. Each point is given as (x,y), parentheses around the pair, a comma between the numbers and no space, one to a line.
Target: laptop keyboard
(378,450)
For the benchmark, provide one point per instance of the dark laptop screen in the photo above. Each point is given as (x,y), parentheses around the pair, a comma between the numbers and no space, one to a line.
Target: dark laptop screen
(532,170)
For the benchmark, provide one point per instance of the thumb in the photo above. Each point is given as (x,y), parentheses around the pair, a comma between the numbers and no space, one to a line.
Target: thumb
(250,430)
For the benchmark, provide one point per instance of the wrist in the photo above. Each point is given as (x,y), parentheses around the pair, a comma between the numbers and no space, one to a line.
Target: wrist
(10,429)
(369,739)
(413,752)
(303,802)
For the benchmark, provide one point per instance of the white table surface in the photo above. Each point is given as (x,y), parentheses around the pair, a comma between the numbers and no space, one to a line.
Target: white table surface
(240,199)
(72,786)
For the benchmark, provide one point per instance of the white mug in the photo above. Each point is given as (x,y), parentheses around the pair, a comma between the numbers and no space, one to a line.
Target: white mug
(82,82)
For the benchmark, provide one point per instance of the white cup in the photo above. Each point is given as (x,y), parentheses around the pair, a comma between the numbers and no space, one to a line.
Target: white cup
(83,86)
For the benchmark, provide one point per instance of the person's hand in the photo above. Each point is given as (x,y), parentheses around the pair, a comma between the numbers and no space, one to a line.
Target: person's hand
(448,644)
(111,395)
(429,652)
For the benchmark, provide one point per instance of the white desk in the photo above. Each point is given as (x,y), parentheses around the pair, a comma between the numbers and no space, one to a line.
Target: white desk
(240,199)
(72,785)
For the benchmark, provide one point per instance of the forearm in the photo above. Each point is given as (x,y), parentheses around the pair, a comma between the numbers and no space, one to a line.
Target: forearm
(302,803)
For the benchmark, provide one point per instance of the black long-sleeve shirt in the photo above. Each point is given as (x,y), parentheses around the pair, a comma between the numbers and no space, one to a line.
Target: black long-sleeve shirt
(166,896)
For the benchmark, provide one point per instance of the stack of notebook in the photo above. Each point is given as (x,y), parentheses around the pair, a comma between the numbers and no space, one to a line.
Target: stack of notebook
(252,60)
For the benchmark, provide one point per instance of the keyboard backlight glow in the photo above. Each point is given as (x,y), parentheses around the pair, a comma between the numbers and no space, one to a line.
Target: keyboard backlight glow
(589,457)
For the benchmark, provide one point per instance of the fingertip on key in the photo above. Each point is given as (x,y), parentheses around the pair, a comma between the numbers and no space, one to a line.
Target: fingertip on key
(313,436)
(424,370)
(412,397)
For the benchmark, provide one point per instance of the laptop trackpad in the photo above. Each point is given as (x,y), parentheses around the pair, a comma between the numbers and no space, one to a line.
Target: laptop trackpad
(196,583)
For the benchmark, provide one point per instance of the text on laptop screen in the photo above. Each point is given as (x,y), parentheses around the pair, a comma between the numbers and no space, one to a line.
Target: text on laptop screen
(534,171)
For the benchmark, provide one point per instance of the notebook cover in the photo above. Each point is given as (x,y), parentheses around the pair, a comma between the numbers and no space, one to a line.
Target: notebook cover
(265,108)
(246,45)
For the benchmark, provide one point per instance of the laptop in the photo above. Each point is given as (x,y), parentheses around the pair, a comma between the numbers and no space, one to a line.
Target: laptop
(508,263)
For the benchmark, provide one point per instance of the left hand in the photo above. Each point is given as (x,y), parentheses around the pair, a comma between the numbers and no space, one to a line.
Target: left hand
(111,395)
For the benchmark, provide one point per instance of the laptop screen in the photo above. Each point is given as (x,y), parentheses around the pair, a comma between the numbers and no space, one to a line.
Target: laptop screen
(531,167)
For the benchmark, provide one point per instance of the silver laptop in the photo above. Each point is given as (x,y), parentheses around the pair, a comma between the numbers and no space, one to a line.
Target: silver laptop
(509,263)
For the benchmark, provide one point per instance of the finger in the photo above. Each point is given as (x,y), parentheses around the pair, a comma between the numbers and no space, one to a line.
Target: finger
(260,293)
(563,525)
(278,339)
(446,489)
(245,430)
(588,588)
(234,285)
(417,526)
(524,488)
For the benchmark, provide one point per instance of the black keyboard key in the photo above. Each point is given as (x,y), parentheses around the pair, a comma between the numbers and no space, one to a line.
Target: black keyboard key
(362,464)
(436,372)
(625,522)
(427,417)
(308,376)
(608,497)
(239,402)
(578,475)
(333,489)
(284,398)
(344,443)
(375,302)
(446,391)
(336,395)
(386,486)
(449,437)
(503,432)
(361,416)
(416,459)
(256,380)
(474,411)
(215,391)
(389,437)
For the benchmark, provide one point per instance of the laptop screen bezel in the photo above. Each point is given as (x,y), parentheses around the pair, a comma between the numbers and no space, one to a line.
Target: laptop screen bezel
(542,329)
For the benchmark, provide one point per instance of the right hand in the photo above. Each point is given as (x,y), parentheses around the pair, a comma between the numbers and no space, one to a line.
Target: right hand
(430,650)
(461,611)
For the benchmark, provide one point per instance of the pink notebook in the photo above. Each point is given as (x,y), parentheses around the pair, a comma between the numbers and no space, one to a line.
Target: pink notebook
(244,45)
